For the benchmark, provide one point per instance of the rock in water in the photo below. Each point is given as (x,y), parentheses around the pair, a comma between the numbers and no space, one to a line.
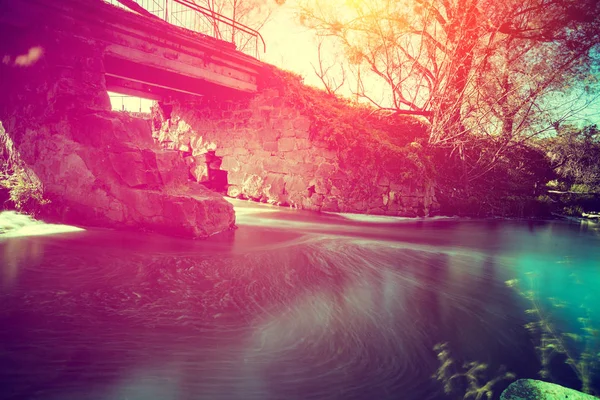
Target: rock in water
(530,389)
(104,173)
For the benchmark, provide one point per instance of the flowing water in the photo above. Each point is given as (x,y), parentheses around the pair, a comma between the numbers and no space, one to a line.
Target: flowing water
(291,305)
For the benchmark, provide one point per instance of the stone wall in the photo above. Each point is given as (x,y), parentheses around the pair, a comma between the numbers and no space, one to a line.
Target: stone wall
(269,149)
(97,167)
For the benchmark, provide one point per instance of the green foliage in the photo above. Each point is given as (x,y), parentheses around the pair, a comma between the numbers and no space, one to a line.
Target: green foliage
(575,154)
(574,204)
(550,341)
(580,188)
(573,211)
(26,192)
(545,199)
(553,184)
(469,381)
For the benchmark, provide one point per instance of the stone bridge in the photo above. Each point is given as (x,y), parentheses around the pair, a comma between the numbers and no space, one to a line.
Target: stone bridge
(223,121)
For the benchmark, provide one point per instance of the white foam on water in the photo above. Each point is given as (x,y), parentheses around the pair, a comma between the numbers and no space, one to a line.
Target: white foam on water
(385,218)
(14,224)
(373,218)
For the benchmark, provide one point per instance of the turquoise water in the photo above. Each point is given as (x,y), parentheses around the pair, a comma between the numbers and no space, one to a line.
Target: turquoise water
(291,305)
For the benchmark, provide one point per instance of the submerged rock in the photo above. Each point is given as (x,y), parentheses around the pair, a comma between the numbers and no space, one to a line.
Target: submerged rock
(530,389)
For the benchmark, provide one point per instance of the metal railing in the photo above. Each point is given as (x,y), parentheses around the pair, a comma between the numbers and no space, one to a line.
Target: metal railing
(187,14)
(154,7)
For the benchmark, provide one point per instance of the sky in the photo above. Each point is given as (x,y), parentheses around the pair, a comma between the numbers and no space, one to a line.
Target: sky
(290,45)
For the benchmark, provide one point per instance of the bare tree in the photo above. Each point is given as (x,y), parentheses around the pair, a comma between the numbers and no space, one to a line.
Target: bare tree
(331,84)
(239,13)
(476,69)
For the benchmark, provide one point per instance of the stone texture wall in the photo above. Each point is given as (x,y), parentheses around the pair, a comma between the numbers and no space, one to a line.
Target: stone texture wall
(267,147)
(98,168)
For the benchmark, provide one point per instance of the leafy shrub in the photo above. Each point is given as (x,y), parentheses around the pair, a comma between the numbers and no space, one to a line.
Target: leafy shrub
(574,153)
(508,186)
(25,190)
(574,204)
(580,188)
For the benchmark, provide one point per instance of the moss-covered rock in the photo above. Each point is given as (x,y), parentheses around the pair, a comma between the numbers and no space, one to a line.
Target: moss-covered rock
(530,389)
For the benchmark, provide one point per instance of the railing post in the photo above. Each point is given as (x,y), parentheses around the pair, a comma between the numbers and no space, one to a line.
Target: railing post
(167,10)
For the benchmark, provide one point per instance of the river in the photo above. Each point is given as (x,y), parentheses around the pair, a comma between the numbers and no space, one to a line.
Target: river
(291,305)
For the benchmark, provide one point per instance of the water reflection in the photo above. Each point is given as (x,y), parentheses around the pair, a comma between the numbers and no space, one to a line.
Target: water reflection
(16,253)
(20,244)
(325,309)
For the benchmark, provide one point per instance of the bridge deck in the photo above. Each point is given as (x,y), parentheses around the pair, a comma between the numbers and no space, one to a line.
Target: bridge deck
(145,56)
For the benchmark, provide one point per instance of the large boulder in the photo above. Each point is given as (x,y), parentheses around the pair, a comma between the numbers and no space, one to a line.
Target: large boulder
(93,178)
